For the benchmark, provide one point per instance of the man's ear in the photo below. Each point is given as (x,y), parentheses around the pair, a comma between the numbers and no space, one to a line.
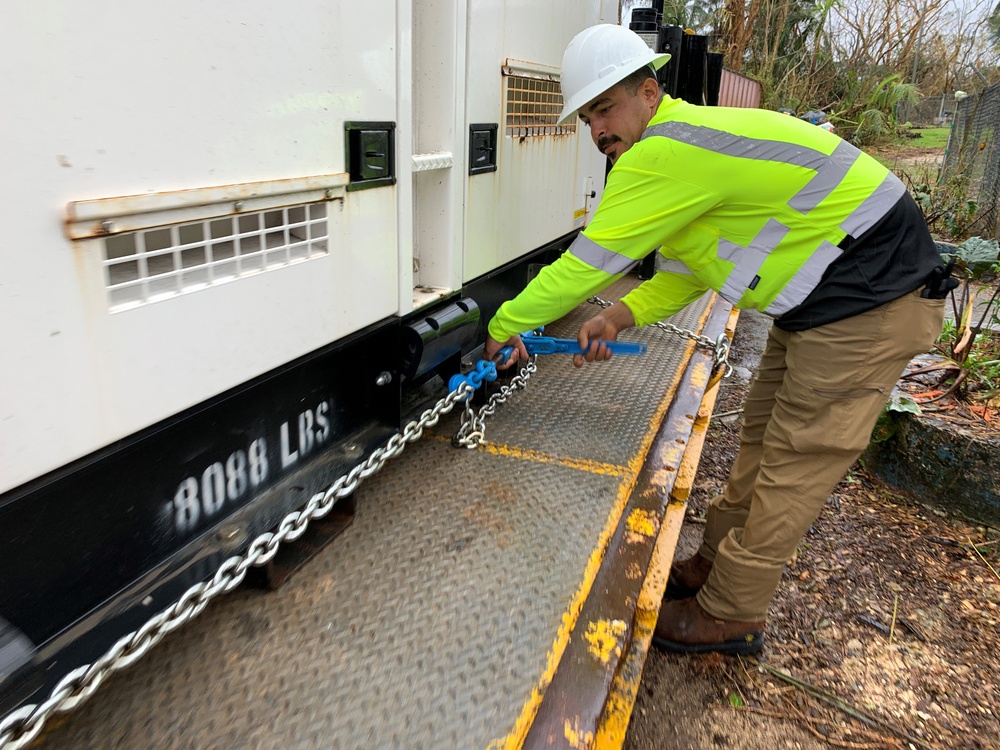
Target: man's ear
(650,90)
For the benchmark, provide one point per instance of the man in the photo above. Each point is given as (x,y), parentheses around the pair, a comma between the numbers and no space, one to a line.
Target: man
(774,214)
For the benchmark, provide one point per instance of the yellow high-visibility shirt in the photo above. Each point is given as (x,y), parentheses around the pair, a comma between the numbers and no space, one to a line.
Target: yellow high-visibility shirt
(750,203)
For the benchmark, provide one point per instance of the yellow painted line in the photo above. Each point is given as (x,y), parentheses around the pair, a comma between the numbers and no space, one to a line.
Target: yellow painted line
(625,685)
(689,467)
(581,464)
(671,458)
(527,454)
(734,316)
(657,418)
(515,740)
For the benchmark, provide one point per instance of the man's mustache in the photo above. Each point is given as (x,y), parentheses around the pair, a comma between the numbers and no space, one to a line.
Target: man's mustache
(606,140)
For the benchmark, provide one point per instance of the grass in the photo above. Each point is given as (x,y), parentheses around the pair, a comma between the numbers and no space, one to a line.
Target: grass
(931,137)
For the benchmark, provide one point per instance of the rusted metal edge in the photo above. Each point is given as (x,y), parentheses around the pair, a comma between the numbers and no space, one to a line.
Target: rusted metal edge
(514,740)
(512,67)
(625,686)
(100,217)
(573,707)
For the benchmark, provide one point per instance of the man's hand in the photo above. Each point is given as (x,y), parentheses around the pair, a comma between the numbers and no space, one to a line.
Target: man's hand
(605,326)
(493,347)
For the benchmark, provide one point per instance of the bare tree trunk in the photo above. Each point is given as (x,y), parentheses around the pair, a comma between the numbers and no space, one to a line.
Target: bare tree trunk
(737,29)
(771,51)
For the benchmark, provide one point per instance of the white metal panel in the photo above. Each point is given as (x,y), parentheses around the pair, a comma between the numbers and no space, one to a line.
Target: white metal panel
(541,189)
(111,98)
(405,148)
(439,127)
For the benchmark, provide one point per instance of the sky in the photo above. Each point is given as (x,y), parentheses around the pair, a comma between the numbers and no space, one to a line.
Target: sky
(973,8)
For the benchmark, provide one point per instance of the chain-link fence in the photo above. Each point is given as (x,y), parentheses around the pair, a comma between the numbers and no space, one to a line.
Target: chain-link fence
(930,111)
(973,158)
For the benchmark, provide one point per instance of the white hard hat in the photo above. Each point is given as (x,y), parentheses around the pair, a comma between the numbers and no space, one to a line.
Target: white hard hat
(599,57)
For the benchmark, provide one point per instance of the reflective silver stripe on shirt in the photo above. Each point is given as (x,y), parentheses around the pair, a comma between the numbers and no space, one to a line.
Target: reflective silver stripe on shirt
(599,257)
(830,169)
(751,259)
(830,173)
(730,144)
(728,250)
(671,266)
(826,179)
(804,280)
(875,206)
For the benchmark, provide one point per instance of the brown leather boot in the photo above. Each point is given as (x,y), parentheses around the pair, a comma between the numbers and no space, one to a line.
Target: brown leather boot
(687,577)
(685,628)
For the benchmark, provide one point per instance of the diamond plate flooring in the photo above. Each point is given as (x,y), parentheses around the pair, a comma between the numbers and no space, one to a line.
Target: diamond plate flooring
(431,620)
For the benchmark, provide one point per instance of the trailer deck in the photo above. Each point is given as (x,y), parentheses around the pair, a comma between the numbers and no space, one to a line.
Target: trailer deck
(488,598)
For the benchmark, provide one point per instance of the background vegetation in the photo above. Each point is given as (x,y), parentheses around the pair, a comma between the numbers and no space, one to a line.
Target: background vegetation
(857,60)
(866,63)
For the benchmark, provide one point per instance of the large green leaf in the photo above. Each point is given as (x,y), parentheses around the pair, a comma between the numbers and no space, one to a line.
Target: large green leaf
(978,250)
(902,402)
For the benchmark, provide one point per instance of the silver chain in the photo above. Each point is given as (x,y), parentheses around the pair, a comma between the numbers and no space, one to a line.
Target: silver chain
(472,433)
(22,726)
(19,728)
(719,347)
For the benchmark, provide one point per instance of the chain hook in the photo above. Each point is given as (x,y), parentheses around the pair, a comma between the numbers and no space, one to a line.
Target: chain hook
(722,346)
(472,432)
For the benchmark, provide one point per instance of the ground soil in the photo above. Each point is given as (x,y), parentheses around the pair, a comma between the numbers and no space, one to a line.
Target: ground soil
(913,160)
(888,620)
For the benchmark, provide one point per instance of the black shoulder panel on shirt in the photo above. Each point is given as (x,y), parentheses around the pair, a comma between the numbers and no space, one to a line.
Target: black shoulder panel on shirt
(891,259)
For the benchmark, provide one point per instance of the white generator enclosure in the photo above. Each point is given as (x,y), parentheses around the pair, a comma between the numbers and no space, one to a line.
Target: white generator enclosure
(230,227)
(178,202)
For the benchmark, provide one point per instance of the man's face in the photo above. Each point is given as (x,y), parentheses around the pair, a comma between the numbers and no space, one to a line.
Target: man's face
(617,119)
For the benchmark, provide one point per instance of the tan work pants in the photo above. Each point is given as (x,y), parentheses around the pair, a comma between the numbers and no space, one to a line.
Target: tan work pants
(807,417)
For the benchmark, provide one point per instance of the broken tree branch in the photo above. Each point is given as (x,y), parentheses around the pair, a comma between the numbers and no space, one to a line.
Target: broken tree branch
(857,713)
(987,562)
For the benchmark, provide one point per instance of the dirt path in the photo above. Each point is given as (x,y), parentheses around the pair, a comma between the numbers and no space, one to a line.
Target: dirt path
(930,678)
(917,161)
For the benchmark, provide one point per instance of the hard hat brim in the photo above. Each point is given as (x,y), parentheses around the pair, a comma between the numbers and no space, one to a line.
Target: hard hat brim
(601,85)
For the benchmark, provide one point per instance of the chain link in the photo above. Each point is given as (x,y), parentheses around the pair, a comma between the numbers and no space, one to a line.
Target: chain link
(719,347)
(472,432)
(21,727)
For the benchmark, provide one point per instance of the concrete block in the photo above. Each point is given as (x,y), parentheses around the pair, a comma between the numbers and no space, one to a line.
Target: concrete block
(943,464)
